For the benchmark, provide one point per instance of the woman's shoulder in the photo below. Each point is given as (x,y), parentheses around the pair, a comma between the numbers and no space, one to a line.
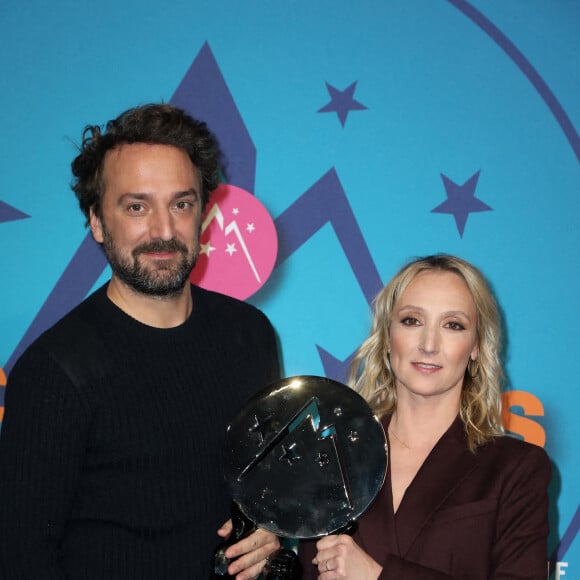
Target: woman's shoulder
(506,443)
(511,453)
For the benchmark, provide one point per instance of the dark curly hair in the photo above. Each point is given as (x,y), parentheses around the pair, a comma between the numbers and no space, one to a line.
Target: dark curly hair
(155,124)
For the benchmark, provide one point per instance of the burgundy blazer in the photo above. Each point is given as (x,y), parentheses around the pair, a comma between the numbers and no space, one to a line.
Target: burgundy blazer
(468,516)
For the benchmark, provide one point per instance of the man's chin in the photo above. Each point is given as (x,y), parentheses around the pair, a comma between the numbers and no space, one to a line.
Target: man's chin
(156,269)
(162,278)
(157,284)
(160,290)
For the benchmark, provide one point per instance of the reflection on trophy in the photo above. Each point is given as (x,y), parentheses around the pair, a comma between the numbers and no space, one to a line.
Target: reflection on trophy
(304,458)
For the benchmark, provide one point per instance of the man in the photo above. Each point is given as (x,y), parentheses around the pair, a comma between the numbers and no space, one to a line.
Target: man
(110,451)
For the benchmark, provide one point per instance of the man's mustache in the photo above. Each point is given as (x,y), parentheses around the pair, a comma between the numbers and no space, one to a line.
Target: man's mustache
(160,246)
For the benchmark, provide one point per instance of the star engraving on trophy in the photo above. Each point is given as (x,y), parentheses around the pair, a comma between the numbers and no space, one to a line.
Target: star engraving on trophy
(258,428)
(353,436)
(289,454)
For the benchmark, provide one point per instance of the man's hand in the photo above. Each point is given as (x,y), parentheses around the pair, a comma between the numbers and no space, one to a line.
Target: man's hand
(250,552)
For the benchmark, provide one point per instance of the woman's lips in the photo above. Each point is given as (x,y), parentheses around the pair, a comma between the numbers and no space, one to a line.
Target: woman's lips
(426,367)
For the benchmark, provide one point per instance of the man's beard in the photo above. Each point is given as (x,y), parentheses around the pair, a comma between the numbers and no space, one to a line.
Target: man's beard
(161,281)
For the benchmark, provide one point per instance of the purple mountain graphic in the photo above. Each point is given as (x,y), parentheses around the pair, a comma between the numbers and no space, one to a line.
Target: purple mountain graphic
(326,202)
(9,213)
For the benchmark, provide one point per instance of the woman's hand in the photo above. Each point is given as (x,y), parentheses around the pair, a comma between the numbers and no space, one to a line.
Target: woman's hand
(341,557)
(250,552)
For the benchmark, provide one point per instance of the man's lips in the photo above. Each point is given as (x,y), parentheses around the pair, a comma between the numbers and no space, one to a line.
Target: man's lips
(160,255)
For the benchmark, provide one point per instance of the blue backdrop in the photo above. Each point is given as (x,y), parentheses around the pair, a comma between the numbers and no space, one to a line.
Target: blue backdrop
(372,131)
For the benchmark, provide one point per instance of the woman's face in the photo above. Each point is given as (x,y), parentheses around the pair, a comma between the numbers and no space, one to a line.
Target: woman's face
(433,335)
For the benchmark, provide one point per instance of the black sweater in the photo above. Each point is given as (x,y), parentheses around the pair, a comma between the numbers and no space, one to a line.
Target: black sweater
(118,474)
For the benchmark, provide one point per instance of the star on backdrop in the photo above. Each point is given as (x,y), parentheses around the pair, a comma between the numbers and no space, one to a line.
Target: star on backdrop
(341,102)
(206,249)
(9,213)
(461,201)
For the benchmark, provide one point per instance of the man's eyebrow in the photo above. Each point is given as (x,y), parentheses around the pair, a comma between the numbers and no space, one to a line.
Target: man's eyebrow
(142,195)
(186,193)
(131,196)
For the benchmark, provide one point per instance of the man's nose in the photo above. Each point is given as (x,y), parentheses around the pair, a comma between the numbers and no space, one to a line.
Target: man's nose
(161,225)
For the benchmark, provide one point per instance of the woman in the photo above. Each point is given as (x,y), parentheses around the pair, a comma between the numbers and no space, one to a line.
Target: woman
(460,500)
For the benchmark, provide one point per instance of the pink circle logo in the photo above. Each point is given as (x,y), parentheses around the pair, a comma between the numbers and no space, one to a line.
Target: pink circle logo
(238,244)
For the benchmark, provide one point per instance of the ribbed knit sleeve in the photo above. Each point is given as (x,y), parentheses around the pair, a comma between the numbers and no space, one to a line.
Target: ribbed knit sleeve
(42,451)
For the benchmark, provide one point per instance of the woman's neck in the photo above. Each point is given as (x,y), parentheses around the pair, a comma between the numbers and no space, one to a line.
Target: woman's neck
(420,427)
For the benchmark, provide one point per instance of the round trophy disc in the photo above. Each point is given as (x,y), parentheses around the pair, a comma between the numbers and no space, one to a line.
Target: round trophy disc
(305,457)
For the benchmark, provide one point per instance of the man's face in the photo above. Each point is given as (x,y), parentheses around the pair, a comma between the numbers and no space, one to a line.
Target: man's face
(151,213)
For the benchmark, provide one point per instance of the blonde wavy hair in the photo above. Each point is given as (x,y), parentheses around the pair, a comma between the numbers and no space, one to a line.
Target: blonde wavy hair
(371,374)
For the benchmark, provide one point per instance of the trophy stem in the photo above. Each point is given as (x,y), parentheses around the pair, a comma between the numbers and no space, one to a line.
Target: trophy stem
(242,527)
(284,565)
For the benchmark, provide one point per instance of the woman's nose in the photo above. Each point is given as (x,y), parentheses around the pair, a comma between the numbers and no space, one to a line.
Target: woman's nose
(429,343)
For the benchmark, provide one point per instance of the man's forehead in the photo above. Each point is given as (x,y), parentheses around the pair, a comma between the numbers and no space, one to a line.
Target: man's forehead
(143,167)
(143,154)
(141,149)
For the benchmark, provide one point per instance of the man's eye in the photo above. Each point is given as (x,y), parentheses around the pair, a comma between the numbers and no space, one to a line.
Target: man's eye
(183,205)
(135,207)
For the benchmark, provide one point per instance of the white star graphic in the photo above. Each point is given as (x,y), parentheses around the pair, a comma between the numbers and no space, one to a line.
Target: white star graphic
(250,228)
(235,211)
(206,249)
(231,249)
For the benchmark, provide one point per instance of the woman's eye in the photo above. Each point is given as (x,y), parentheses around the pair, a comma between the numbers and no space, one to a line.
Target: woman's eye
(455,326)
(409,321)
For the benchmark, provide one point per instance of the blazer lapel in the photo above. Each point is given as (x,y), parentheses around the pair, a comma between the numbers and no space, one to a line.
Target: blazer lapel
(378,537)
(448,464)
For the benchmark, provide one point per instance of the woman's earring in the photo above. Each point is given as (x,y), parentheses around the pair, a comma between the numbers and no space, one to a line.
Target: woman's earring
(473,368)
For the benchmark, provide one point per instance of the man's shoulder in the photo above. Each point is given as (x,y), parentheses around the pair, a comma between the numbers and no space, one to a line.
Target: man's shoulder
(74,342)
(73,325)
(222,305)
(75,331)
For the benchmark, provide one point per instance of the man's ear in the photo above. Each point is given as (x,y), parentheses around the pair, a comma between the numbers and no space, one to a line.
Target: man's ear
(96,226)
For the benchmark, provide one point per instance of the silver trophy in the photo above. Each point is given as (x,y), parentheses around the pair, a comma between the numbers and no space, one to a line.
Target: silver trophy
(304,458)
